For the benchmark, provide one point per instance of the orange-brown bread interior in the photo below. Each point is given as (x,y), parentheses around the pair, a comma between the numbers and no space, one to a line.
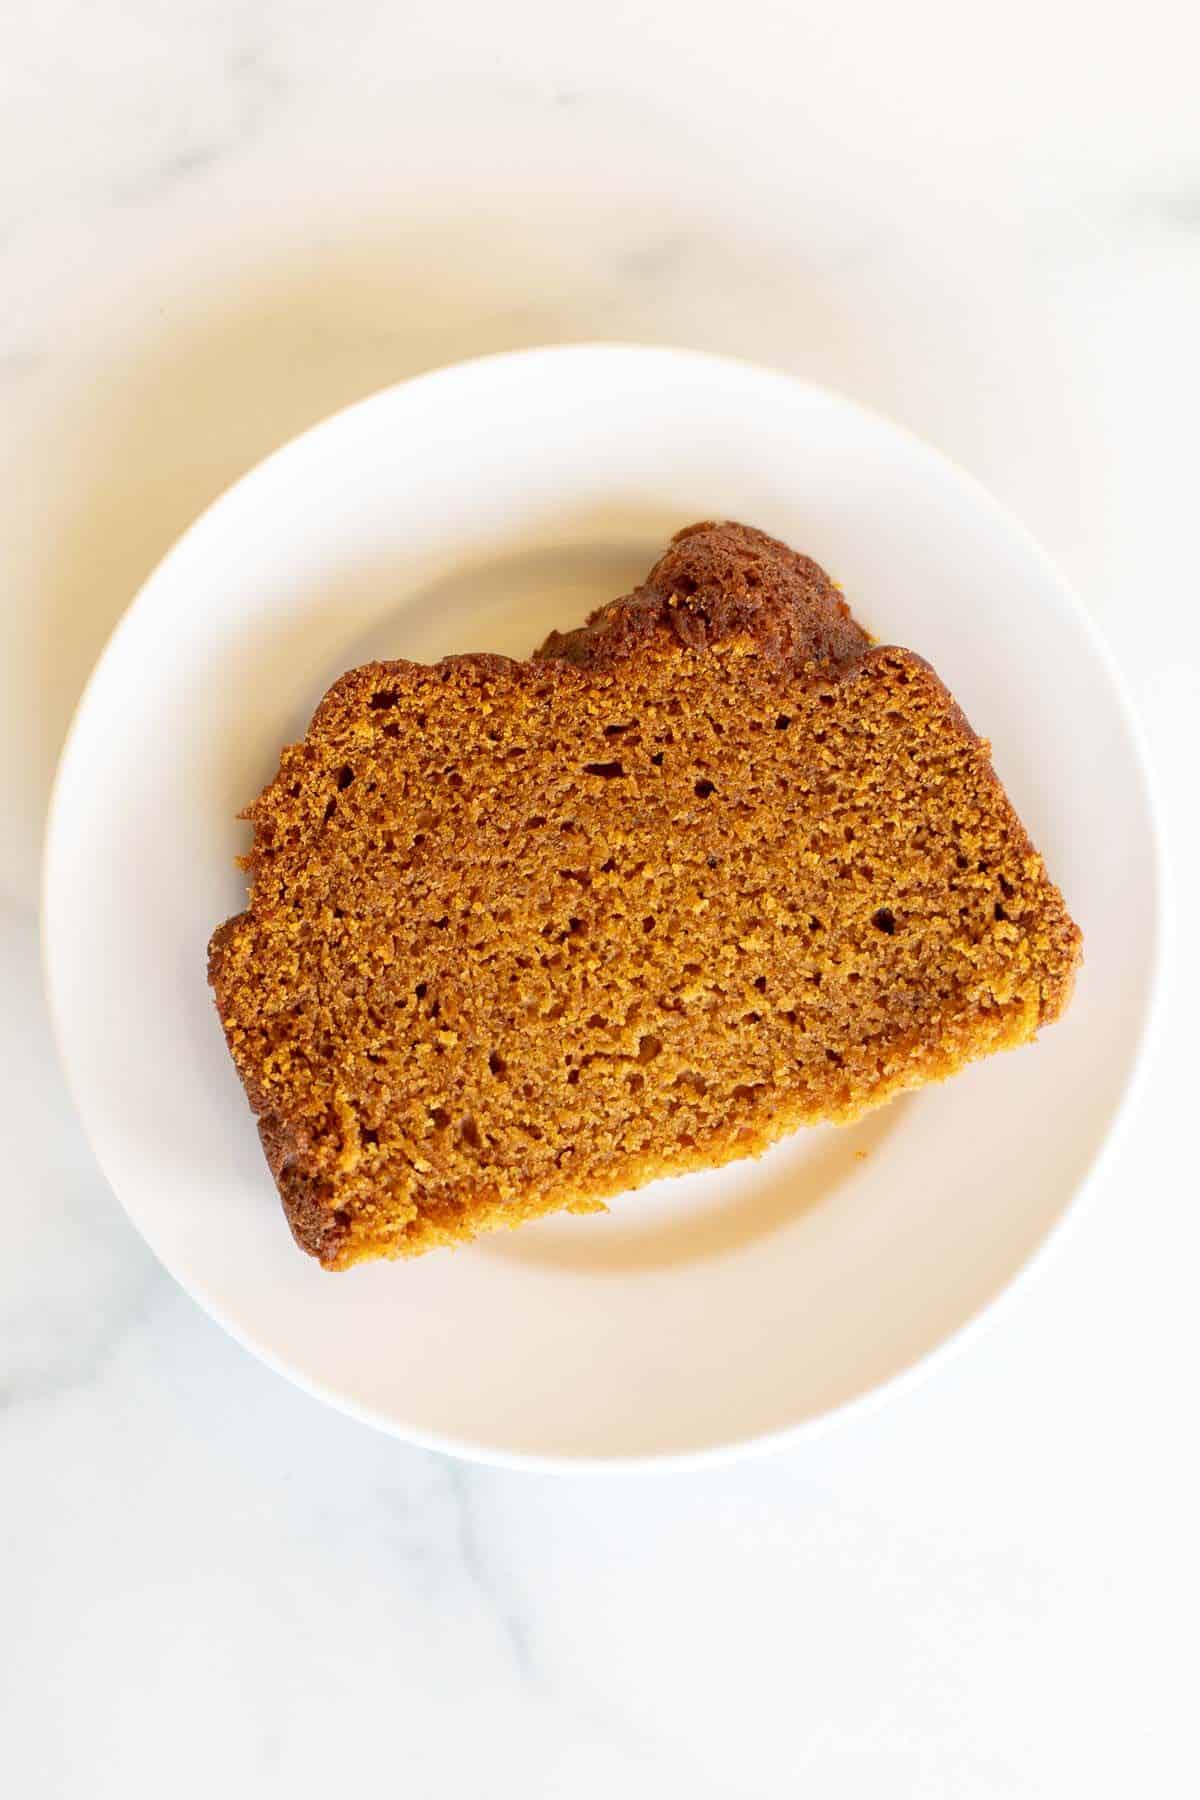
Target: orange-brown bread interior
(522,935)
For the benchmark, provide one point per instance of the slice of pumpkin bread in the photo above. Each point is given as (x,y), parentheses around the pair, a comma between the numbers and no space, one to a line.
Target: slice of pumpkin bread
(522,935)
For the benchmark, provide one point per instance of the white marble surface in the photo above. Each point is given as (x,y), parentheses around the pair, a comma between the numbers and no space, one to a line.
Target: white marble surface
(220,220)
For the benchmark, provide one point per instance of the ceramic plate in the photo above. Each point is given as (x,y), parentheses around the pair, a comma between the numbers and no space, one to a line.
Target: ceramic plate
(473,509)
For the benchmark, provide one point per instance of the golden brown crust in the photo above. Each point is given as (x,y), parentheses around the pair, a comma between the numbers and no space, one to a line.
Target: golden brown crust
(522,935)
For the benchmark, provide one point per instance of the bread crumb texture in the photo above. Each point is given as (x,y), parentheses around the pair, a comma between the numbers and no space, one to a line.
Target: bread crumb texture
(523,935)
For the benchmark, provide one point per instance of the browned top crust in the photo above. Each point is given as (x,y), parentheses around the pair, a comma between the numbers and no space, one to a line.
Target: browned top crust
(717,582)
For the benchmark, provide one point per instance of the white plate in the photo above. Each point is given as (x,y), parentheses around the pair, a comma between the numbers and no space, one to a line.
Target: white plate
(469,510)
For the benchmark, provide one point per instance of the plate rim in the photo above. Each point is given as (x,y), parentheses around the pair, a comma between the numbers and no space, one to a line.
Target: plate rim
(1141,1055)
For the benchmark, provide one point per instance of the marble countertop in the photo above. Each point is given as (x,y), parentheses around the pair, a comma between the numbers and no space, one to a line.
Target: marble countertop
(219,221)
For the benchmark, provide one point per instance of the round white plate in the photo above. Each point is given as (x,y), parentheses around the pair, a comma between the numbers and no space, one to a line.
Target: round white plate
(471,510)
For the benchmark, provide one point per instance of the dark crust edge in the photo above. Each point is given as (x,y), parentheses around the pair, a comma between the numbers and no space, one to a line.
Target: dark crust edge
(721,581)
